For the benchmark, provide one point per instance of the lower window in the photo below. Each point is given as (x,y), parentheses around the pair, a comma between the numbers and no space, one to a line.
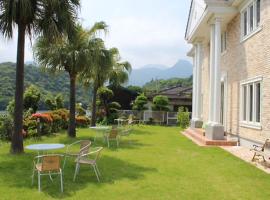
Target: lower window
(251,102)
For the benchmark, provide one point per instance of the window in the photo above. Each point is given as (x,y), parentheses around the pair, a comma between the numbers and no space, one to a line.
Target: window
(251,102)
(251,17)
(223,42)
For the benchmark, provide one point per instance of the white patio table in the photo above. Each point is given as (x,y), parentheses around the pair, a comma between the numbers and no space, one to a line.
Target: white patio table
(120,121)
(100,131)
(44,147)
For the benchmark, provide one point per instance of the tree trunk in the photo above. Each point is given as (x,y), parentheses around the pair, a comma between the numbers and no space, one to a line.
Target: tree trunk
(17,137)
(72,102)
(94,107)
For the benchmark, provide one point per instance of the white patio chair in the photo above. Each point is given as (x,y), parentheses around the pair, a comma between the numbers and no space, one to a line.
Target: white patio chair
(84,149)
(125,133)
(86,159)
(113,135)
(47,165)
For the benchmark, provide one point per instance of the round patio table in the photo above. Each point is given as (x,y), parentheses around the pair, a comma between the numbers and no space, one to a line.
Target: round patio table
(100,131)
(44,147)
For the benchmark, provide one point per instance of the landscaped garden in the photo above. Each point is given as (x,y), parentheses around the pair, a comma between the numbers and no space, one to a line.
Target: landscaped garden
(154,162)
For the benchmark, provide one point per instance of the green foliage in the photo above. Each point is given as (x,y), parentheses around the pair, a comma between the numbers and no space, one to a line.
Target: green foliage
(156,85)
(31,98)
(10,108)
(80,110)
(6,124)
(183,117)
(55,103)
(82,121)
(105,94)
(140,102)
(136,89)
(48,84)
(160,103)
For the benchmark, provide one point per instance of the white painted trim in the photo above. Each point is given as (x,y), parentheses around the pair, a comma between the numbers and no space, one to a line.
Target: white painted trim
(251,124)
(251,80)
(245,4)
(254,32)
(256,126)
(256,27)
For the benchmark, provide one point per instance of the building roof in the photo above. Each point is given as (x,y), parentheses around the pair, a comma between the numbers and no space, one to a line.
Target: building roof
(176,92)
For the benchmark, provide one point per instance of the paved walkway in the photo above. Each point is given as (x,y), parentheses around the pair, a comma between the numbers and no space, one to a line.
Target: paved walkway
(245,154)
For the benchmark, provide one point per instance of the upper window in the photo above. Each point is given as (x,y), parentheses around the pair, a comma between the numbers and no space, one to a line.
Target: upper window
(251,17)
(251,102)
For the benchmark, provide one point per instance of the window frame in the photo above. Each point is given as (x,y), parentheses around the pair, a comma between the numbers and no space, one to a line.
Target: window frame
(245,103)
(246,30)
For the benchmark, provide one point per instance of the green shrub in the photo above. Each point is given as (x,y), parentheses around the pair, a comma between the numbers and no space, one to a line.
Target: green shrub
(6,126)
(160,103)
(82,121)
(183,117)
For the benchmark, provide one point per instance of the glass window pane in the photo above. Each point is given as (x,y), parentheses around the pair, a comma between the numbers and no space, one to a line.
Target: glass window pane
(245,23)
(258,12)
(251,103)
(244,103)
(251,17)
(258,102)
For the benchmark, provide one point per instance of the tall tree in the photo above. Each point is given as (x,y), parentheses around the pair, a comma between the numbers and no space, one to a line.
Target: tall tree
(66,54)
(108,68)
(32,17)
(70,54)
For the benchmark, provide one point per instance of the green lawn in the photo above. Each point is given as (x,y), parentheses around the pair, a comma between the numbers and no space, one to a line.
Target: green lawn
(159,163)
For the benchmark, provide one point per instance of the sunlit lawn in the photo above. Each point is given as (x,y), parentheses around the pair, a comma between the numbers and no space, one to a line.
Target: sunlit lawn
(154,163)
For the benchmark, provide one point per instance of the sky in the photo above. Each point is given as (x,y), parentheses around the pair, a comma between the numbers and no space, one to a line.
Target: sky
(144,31)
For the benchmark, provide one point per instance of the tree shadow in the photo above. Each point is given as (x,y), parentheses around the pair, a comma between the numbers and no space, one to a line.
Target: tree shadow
(16,171)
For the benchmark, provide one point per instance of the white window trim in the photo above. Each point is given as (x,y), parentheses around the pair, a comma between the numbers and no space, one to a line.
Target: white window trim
(251,124)
(256,27)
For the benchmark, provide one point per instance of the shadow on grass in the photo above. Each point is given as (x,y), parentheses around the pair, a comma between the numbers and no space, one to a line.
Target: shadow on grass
(15,171)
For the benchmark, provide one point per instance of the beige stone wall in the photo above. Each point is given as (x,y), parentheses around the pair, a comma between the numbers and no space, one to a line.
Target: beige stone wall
(241,61)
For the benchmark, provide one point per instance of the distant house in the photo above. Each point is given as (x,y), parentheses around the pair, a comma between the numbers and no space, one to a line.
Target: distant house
(178,96)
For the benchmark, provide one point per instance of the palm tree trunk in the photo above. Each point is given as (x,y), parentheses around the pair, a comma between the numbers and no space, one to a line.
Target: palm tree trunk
(17,137)
(72,102)
(94,107)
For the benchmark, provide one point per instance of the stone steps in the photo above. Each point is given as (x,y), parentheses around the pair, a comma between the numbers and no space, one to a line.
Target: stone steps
(198,136)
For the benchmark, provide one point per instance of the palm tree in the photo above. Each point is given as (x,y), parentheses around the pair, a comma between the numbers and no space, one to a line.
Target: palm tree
(107,68)
(70,54)
(32,17)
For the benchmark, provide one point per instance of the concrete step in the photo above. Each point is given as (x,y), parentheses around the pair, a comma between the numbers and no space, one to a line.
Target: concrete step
(198,136)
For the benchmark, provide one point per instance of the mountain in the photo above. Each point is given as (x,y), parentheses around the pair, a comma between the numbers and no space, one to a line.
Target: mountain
(48,84)
(182,69)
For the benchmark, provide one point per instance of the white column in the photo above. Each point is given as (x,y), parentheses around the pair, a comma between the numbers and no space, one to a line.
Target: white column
(212,74)
(217,76)
(198,53)
(194,89)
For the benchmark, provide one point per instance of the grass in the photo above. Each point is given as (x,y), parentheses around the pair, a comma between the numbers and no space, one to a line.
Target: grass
(157,163)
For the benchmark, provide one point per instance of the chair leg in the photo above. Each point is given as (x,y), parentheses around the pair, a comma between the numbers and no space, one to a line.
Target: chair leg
(65,162)
(61,180)
(253,157)
(96,172)
(39,182)
(33,176)
(108,141)
(76,171)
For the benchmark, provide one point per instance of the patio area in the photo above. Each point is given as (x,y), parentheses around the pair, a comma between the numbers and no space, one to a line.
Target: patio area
(154,162)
